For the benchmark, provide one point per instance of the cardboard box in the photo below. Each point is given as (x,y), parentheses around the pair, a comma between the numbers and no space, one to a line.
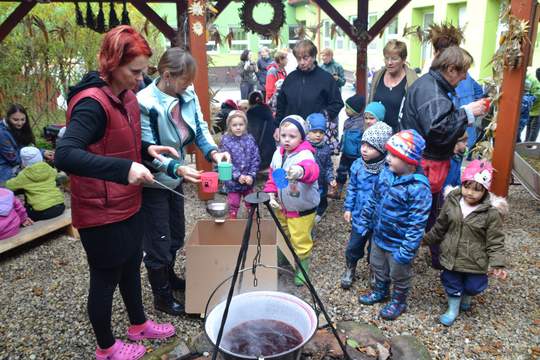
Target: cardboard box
(211,254)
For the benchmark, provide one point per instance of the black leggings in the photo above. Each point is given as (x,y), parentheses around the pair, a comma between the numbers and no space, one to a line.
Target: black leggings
(103,282)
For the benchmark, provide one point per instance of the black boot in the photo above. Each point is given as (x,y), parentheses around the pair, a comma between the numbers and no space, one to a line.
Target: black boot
(163,297)
(177,283)
(348,276)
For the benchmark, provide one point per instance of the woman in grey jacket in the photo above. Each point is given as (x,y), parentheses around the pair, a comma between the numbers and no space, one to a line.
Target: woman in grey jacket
(170,115)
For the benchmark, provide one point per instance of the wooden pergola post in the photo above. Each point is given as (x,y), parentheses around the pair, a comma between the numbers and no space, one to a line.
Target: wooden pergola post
(197,46)
(361,24)
(509,105)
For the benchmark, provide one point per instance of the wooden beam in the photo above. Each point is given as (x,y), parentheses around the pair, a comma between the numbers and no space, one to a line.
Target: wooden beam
(509,106)
(340,21)
(387,17)
(361,24)
(92,1)
(15,17)
(221,5)
(155,19)
(197,45)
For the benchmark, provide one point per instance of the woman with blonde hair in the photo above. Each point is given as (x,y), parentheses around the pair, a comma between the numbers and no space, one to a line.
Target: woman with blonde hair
(390,84)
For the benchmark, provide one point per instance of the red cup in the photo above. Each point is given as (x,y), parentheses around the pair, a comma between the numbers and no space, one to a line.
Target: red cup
(209,182)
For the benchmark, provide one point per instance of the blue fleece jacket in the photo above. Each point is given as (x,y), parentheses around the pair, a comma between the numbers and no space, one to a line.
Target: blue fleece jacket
(396,212)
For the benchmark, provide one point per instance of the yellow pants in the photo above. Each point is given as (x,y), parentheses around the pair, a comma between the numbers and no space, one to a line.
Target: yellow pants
(299,231)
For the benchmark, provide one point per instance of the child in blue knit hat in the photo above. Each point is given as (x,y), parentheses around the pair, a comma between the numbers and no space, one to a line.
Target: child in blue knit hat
(375,111)
(364,173)
(350,140)
(396,213)
(323,156)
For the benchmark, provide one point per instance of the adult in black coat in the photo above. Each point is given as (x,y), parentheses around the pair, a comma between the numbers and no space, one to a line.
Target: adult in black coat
(261,125)
(308,89)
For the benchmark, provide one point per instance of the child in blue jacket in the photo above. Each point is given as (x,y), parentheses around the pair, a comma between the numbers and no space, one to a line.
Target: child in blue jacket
(350,139)
(364,172)
(323,156)
(396,213)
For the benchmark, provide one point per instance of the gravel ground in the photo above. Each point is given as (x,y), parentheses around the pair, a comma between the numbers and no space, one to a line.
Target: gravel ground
(43,291)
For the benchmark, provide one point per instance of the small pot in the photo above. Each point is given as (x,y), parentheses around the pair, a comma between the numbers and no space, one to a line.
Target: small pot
(218,210)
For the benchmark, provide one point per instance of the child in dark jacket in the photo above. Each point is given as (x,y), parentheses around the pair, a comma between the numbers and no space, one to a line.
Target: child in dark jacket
(469,230)
(245,160)
(12,214)
(323,156)
(364,173)
(38,180)
(396,213)
(350,139)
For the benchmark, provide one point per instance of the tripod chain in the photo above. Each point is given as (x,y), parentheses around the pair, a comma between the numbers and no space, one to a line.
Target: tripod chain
(257,258)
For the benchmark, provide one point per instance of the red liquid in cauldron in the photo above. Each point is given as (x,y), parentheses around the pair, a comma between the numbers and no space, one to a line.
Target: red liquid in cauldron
(261,337)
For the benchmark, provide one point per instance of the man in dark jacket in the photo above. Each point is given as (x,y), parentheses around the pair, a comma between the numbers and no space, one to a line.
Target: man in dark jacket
(308,89)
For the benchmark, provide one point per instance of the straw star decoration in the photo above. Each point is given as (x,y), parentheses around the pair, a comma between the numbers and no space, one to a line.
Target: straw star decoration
(197,8)
(197,28)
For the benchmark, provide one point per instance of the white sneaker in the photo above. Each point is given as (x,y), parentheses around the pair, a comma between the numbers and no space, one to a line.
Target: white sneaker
(318,219)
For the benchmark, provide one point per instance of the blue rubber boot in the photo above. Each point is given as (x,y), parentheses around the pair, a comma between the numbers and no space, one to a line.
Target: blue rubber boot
(465,303)
(451,314)
(396,306)
(378,294)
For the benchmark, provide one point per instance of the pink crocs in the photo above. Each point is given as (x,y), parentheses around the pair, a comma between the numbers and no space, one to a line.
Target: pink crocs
(150,330)
(121,351)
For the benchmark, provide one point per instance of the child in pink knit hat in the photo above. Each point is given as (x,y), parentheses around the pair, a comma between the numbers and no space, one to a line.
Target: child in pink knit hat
(469,230)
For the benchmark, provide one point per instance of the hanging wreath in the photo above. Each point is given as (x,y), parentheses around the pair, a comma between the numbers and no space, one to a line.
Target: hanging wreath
(248,22)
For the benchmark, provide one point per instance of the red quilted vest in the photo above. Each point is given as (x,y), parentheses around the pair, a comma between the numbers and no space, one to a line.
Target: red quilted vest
(96,202)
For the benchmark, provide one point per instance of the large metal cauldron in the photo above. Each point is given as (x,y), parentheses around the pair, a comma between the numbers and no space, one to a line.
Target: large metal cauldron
(270,305)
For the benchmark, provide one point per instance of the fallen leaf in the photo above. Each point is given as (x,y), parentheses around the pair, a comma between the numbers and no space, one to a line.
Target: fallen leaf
(352,343)
(38,291)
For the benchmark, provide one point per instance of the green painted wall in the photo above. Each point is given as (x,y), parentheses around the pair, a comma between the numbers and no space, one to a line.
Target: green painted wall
(415,47)
(491,21)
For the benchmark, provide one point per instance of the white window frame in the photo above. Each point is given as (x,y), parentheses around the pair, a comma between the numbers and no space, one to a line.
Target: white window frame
(374,44)
(293,40)
(352,45)
(326,40)
(427,48)
(243,43)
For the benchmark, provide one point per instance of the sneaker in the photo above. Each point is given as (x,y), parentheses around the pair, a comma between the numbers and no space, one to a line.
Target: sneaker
(318,219)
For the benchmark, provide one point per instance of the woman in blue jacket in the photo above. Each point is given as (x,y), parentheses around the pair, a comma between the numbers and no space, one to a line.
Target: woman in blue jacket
(171,116)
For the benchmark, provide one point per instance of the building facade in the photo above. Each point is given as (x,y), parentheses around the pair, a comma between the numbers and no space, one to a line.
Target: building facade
(478,18)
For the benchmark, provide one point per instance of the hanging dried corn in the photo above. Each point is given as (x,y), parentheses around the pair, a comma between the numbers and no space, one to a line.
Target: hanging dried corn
(113,19)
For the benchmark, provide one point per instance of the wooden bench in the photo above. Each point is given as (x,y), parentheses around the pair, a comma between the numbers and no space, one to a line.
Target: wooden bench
(39,229)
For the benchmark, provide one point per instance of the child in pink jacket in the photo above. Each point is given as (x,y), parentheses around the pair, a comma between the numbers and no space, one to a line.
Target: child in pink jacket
(296,205)
(12,214)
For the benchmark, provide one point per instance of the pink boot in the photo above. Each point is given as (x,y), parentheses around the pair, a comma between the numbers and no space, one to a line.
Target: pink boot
(150,330)
(121,351)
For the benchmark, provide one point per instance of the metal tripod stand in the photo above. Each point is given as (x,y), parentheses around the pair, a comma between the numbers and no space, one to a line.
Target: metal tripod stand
(255,199)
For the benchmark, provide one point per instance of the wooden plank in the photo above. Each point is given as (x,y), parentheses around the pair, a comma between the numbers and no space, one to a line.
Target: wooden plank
(197,45)
(340,21)
(38,229)
(15,17)
(387,17)
(155,19)
(509,107)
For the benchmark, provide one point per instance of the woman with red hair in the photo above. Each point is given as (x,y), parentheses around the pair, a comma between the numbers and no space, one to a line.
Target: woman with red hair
(103,152)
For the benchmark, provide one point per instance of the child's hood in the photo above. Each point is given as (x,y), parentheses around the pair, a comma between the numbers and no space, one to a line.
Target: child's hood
(304,145)
(38,172)
(498,202)
(6,201)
